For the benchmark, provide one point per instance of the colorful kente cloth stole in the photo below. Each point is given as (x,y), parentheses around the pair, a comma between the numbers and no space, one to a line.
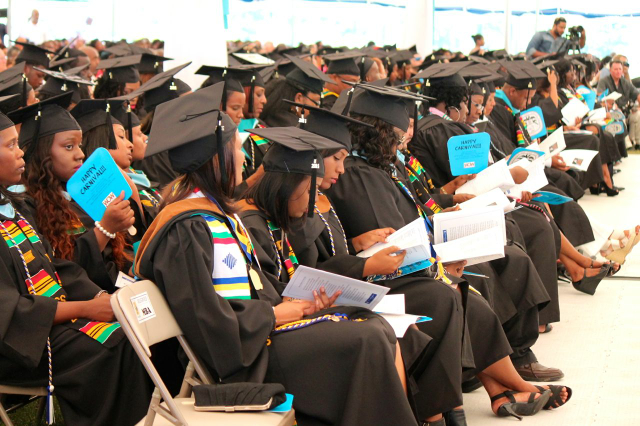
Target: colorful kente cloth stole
(421,183)
(521,128)
(290,261)
(229,277)
(329,93)
(38,281)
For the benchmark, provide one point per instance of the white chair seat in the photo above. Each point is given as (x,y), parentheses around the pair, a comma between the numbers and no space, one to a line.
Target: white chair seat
(197,418)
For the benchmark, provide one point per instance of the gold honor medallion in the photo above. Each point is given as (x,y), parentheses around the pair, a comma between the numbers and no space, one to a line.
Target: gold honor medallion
(255,279)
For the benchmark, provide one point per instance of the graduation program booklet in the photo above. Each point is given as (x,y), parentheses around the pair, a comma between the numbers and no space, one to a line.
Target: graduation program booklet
(496,175)
(391,308)
(536,179)
(578,159)
(574,109)
(495,197)
(554,144)
(412,238)
(477,235)
(354,292)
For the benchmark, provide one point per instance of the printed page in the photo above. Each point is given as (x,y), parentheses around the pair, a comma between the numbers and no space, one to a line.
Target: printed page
(578,159)
(476,248)
(495,197)
(451,226)
(413,238)
(401,322)
(354,292)
(553,144)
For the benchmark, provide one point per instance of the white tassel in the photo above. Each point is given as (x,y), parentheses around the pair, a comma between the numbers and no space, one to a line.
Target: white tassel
(49,415)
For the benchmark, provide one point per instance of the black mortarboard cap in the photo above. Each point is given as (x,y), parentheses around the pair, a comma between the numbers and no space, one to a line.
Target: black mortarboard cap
(5,122)
(306,76)
(328,124)
(344,63)
(542,66)
(295,150)
(43,119)
(151,63)
(91,113)
(253,58)
(384,103)
(192,129)
(161,87)
(403,57)
(58,83)
(444,74)
(122,69)
(479,59)
(230,75)
(126,116)
(523,74)
(268,72)
(61,64)
(33,54)
(13,81)
(365,65)
(126,49)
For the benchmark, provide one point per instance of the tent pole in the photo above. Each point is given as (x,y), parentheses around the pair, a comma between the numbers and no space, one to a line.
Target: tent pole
(507,24)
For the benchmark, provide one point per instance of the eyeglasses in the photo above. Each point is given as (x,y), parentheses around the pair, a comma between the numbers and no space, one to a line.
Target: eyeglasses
(625,64)
(478,106)
(316,103)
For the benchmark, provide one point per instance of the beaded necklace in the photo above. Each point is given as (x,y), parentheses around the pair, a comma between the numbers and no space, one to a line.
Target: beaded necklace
(326,224)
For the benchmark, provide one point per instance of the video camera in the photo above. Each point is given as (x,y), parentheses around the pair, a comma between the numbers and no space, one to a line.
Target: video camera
(575,32)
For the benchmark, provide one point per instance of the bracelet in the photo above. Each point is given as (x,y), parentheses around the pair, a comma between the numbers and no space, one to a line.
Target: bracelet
(442,190)
(100,293)
(104,231)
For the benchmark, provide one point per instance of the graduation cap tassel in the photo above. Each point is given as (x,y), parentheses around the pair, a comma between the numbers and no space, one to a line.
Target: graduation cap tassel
(220,150)
(251,93)
(224,91)
(415,119)
(484,101)
(312,188)
(112,138)
(347,106)
(24,91)
(129,127)
(32,147)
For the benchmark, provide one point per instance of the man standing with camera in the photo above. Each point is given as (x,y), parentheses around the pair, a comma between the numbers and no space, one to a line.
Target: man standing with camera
(546,42)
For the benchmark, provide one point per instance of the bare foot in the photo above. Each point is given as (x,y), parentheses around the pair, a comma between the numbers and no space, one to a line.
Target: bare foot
(564,395)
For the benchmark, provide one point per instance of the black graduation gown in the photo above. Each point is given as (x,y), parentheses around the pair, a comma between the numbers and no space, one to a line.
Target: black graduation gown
(334,369)
(80,364)
(254,148)
(570,217)
(284,118)
(157,168)
(328,100)
(552,118)
(381,204)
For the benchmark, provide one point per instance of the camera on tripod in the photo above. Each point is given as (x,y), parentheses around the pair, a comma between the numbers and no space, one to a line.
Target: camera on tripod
(575,32)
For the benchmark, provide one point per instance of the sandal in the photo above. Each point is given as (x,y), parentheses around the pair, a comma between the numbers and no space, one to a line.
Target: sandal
(547,329)
(620,255)
(555,400)
(588,285)
(441,422)
(519,409)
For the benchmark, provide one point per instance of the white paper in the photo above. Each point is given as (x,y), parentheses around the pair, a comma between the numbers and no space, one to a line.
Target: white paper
(400,322)
(354,292)
(495,176)
(413,238)
(255,58)
(553,144)
(578,159)
(124,280)
(597,116)
(536,180)
(476,248)
(495,197)
(450,226)
(244,136)
(572,110)
(612,96)
(391,304)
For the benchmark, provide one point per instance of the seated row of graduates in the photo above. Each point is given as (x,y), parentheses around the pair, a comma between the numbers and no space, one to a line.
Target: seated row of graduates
(362,375)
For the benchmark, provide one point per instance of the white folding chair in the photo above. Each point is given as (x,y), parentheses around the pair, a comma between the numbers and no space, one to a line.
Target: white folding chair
(17,390)
(146,320)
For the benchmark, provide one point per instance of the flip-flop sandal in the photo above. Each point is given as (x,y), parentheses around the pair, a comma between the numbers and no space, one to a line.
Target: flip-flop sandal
(588,285)
(555,400)
(620,255)
(519,409)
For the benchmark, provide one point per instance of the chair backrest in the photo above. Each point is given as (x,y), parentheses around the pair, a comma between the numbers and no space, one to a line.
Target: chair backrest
(147,313)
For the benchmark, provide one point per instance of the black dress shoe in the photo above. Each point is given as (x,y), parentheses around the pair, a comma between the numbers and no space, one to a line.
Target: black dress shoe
(455,418)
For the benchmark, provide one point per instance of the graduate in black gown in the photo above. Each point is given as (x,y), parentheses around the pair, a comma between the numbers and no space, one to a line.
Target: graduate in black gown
(68,228)
(372,195)
(94,370)
(161,88)
(342,67)
(340,371)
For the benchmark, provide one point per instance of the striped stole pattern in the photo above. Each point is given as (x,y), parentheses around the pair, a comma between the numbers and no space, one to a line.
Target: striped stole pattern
(229,277)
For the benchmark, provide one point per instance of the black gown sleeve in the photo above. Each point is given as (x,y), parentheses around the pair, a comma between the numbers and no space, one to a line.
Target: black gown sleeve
(503,120)
(229,335)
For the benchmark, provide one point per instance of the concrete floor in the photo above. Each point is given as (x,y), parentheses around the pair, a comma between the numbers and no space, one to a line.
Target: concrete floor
(597,343)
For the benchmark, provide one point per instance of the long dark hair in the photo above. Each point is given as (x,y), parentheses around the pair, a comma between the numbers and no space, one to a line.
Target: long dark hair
(271,194)
(378,144)
(98,137)
(54,215)
(107,88)
(277,90)
(208,179)
(563,67)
